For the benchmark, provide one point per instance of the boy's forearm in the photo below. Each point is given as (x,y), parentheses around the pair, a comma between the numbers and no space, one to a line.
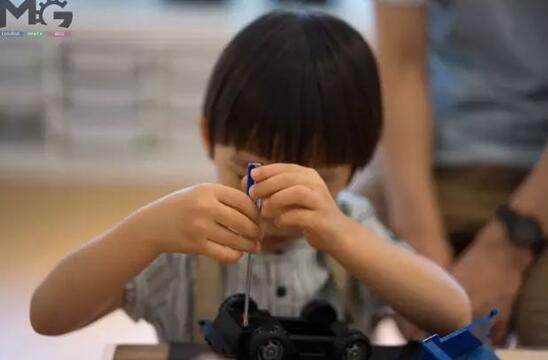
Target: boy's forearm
(414,286)
(89,280)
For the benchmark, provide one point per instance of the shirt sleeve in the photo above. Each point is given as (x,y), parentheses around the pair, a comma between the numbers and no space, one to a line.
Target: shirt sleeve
(362,211)
(162,295)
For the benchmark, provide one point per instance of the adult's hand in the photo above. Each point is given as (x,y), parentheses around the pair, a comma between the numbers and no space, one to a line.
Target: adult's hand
(491,271)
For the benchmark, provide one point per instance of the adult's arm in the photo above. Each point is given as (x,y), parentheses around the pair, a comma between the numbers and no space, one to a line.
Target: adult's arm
(406,145)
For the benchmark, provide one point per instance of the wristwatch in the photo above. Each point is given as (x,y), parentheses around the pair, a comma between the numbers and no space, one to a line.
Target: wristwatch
(524,231)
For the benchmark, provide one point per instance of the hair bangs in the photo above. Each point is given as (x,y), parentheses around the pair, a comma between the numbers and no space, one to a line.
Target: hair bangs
(297,88)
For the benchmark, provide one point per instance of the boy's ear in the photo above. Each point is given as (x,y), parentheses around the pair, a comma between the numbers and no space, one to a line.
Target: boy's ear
(204,136)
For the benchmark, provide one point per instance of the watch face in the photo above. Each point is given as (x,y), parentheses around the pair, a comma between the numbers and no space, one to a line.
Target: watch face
(526,232)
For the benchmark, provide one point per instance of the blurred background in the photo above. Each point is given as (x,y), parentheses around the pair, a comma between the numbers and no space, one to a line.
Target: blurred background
(97,123)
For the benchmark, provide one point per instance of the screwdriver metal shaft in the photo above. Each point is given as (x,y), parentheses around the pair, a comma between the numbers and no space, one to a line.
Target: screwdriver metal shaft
(249,261)
(245,321)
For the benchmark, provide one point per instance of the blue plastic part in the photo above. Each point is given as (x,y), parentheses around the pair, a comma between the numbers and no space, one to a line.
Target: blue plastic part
(251,181)
(467,343)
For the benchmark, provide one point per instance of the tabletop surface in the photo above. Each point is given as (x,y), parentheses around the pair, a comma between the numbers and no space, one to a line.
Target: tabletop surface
(190,351)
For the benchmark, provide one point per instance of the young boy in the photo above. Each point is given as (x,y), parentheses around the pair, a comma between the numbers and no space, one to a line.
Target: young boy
(291,88)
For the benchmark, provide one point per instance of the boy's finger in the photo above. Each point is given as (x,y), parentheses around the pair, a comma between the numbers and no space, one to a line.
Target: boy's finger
(238,200)
(243,184)
(226,237)
(234,220)
(294,218)
(291,198)
(297,196)
(270,212)
(220,253)
(279,182)
(264,172)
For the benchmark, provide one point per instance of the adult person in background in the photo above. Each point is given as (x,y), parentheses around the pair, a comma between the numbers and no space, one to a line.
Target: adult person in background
(466,109)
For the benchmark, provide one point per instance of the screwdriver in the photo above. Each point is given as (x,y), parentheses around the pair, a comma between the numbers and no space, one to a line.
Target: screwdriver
(249,261)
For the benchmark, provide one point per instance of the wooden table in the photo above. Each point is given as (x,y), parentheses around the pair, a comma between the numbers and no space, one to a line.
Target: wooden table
(161,352)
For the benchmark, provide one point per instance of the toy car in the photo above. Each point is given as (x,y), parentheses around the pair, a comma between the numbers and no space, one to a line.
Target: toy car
(316,334)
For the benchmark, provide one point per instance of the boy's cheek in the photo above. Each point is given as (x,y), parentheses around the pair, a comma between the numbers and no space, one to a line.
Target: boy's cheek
(229,179)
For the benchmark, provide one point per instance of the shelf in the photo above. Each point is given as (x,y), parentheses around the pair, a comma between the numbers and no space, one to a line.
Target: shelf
(36,163)
(119,101)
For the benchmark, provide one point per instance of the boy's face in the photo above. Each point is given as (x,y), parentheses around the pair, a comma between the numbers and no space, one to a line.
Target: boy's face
(231,167)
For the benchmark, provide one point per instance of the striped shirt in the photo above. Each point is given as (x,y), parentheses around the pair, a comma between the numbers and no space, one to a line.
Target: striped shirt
(283,283)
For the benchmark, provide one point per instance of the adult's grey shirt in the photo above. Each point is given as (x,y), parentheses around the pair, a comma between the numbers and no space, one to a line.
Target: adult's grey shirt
(489,79)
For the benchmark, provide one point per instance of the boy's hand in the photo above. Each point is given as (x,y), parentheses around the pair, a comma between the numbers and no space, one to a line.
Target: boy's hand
(207,219)
(296,196)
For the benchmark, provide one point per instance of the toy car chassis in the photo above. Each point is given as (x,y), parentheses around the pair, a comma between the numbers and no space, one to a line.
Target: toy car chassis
(316,334)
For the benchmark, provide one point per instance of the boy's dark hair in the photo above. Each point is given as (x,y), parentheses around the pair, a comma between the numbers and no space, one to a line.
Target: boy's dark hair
(299,87)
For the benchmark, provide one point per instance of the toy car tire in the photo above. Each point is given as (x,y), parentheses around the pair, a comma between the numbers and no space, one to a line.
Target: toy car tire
(272,344)
(238,301)
(319,311)
(354,346)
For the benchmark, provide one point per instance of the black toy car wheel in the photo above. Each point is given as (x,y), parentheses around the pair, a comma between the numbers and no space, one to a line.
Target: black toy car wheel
(319,311)
(353,346)
(270,344)
(237,302)
(355,351)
